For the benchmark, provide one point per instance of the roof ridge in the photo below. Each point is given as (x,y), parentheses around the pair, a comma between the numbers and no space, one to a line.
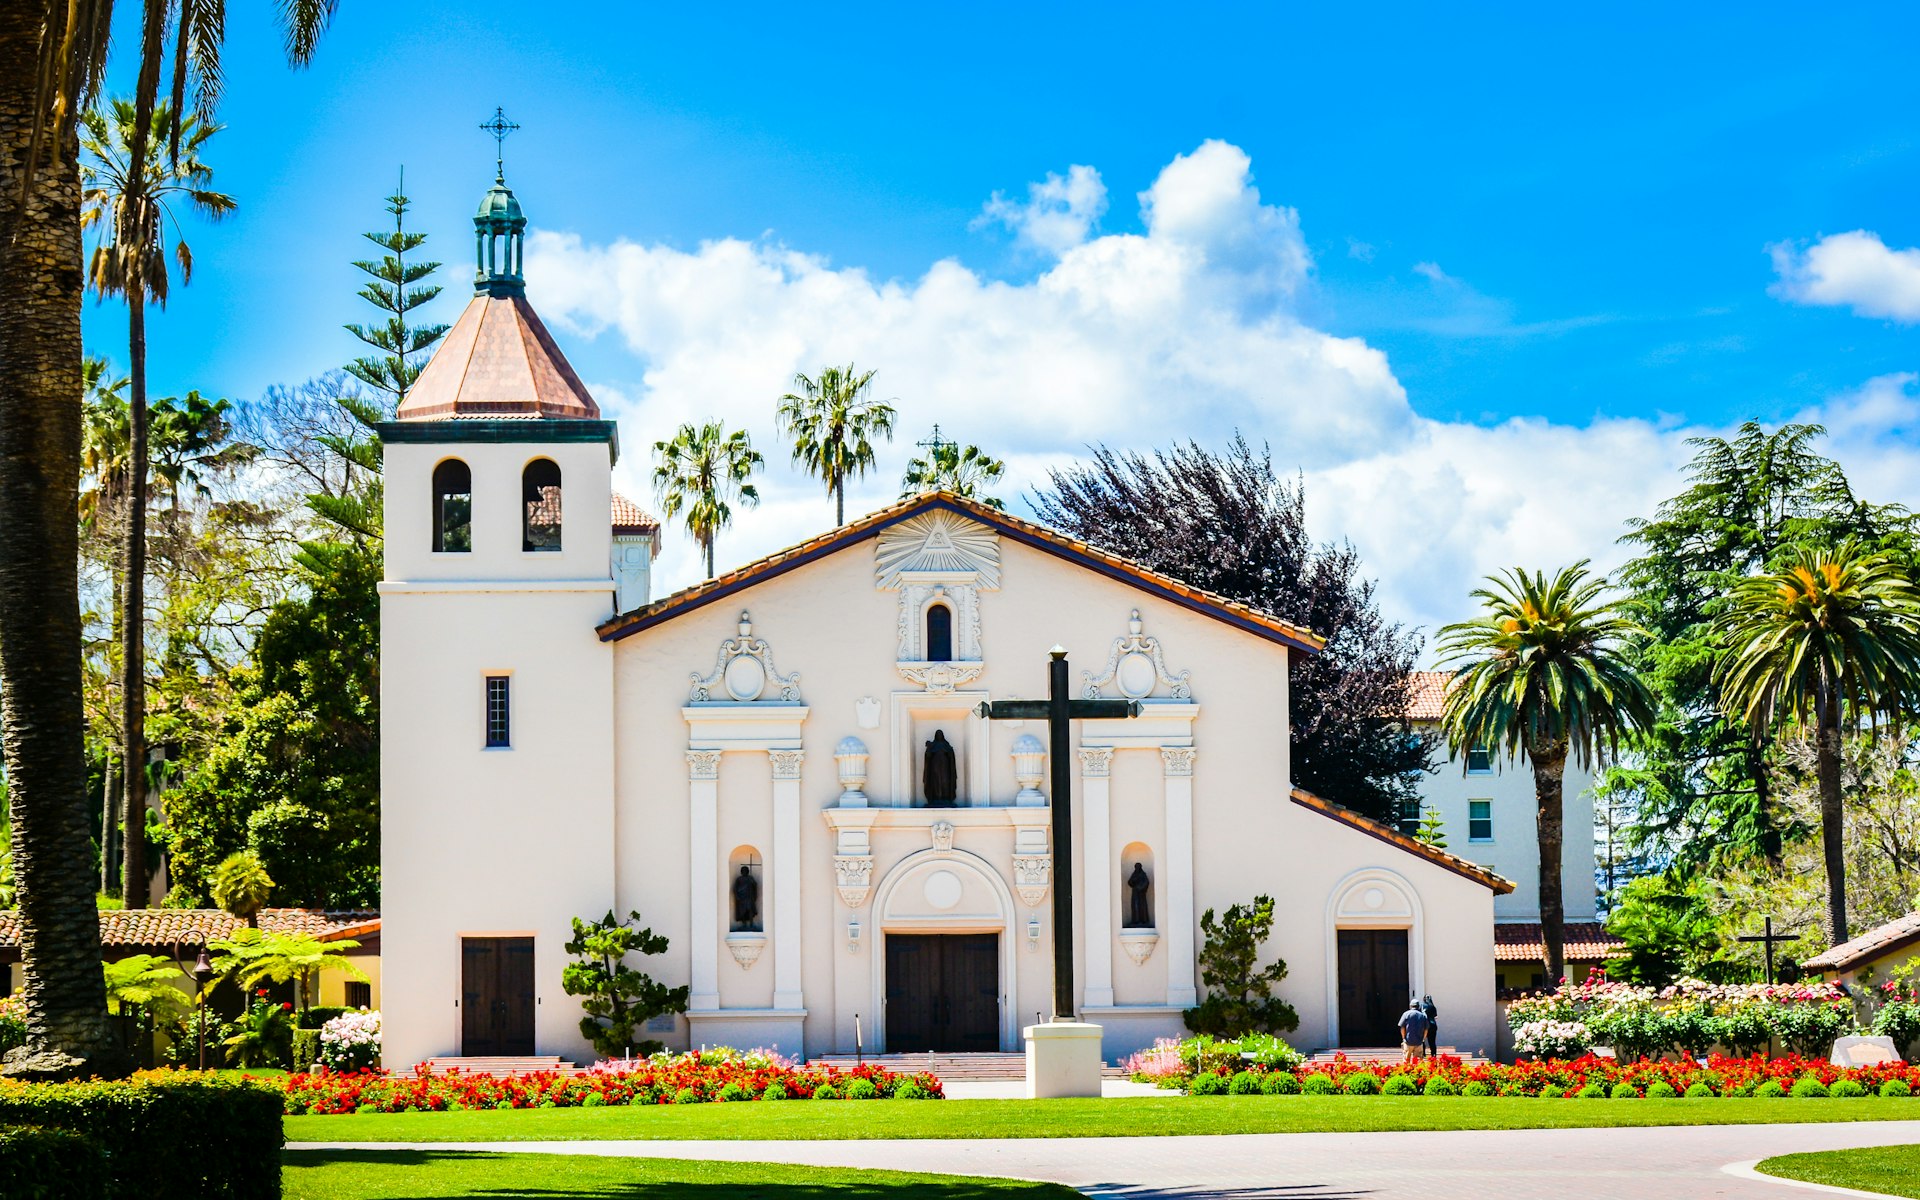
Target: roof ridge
(1387,833)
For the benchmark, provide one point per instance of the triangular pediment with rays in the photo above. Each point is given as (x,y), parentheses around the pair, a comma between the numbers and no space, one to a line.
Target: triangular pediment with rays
(938,542)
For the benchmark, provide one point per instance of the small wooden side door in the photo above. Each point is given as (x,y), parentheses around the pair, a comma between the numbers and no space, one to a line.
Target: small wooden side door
(496,996)
(1373,985)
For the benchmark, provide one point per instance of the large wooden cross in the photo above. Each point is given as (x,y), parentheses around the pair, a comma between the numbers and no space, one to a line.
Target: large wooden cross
(1059,710)
(1769,939)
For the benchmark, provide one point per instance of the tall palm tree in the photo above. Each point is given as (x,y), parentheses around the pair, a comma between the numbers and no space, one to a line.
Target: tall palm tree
(833,422)
(1540,676)
(699,472)
(103,459)
(131,201)
(1833,635)
(962,470)
(53,54)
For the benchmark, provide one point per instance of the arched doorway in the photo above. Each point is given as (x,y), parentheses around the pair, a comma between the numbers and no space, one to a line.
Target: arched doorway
(943,965)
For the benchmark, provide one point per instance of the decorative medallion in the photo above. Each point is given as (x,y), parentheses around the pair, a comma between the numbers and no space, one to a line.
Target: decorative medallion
(942,832)
(1032,874)
(941,677)
(853,875)
(1135,666)
(942,890)
(743,671)
(937,542)
(1178,761)
(703,764)
(786,763)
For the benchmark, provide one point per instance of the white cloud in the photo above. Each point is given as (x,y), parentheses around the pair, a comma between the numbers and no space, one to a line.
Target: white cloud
(1432,273)
(1188,329)
(1059,212)
(1856,270)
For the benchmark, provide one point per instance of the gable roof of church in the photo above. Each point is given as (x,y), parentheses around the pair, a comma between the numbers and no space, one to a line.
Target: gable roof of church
(1412,845)
(1051,541)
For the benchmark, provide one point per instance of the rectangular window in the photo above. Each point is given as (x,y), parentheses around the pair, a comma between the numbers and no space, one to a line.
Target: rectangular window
(498,726)
(359,995)
(1479,820)
(1479,761)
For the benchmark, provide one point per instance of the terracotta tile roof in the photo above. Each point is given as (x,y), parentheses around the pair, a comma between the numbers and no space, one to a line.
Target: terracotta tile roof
(1411,845)
(498,360)
(630,518)
(1581,941)
(1428,695)
(1896,934)
(160,928)
(1039,537)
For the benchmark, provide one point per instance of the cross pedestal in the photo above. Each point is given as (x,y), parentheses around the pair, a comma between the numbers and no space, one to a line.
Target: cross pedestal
(1063,1055)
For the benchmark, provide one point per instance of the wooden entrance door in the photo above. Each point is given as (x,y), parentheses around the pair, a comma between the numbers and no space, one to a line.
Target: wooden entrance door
(1373,985)
(496,996)
(943,992)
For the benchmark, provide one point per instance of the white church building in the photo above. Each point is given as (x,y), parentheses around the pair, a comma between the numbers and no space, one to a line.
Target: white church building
(556,743)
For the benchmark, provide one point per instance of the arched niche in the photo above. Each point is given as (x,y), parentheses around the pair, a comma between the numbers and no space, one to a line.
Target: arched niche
(452,507)
(749,860)
(1141,855)
(540,506)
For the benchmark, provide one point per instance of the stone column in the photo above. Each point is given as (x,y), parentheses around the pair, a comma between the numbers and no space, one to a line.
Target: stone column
(1178,874)
(703,858)
(784,865)
(1095,873)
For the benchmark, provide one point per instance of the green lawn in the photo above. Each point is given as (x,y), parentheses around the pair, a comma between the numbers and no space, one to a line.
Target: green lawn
(1145,1116)
(425,1175)
(1892,1170)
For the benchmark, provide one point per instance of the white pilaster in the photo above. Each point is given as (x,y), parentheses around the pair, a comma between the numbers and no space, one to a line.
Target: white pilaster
(703,850)
(784,865)
(1095,876)
(1178,874)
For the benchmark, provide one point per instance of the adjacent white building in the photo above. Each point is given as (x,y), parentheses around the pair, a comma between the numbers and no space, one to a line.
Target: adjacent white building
(746,762)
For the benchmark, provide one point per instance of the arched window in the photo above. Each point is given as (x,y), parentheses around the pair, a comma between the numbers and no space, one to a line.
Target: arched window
(540,498)
(939,633)
(452,508)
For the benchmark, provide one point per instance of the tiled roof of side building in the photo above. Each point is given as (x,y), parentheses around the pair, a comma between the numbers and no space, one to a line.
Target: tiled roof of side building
(1896,934)
(162,927)
(1581,941)
(1411,845)
(629,517)
(1255,621)
(1428,695)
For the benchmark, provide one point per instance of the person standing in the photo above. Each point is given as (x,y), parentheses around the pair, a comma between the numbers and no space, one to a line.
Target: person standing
(1433,1025)
(1413,1031)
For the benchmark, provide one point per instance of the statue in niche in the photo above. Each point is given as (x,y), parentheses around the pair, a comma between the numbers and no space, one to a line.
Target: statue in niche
(940,776)
(1139,910)
(746,901)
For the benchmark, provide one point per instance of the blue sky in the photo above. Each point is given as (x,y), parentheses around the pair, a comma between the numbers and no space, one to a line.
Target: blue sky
(1529,220)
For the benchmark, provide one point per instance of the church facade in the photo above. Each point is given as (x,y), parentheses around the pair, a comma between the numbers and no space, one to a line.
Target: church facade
(785,769)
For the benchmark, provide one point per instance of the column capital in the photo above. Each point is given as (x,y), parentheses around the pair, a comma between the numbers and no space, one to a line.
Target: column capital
(1178,760)
(786,763)
(703,764)
(1096,762)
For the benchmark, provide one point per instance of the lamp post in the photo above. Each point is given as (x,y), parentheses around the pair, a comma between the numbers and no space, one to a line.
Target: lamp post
(202,975)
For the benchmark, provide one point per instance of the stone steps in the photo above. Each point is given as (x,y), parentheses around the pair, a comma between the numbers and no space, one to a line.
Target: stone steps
(500,1066)
(950,1068)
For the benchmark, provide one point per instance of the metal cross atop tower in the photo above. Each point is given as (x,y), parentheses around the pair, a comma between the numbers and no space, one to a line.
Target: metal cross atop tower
(499,127)
(936,443)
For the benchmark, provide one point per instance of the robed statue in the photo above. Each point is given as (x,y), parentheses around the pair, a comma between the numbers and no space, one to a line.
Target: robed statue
(746,900)
(940,777)
(1139,911)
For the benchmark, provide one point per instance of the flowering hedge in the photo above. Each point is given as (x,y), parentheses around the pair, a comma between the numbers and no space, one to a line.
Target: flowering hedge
(13,1023)
(1692,1017)
(662,1079)
(1720,1076)
(351,1041)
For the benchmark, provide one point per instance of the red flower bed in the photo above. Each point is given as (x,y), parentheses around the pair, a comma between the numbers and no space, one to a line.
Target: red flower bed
(1726,1076)
(679,1080)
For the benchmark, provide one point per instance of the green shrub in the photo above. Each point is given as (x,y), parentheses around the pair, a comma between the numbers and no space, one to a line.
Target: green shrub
(1361,1083)
(734,1092)
(593,1100)
(1244,1083)
(205,1137)
(1270,1051)
(51,1164)
(1317,1084)
(1808,1088)
(1552,1091)
(1440,1085)
(1624,1091)
(1593,1091)
(775,1091)
(1660,1089)
(911,1090)
(1208,1084)
(320,1014)
(1741,1089)
(1279,1083)
(862,1089)
(306,1048)
(1475,1087)
(1770,1089)
(686,1096)
(826,1091)
(1895,1087)
(1846,1089)
(13,1025)
(1696,1090)
(1400,1085)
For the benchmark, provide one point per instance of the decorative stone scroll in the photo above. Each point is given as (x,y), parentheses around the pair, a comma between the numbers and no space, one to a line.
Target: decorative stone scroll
(743,671)
(703,764)
(1032,875)
(786,763)
(1135,666)
(942,832)
(940,677)
(853,876)
(1178,761)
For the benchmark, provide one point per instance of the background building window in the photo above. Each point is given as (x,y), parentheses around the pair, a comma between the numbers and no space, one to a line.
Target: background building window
(359,995)
(939,633)
(540,500)
(1479,820)
(499,727)
(1479,761)
(452,508)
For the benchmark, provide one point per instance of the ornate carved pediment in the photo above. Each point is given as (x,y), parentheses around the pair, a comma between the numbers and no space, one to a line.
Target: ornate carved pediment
(743,672)
(1135,667)
(937,543)
(940,677)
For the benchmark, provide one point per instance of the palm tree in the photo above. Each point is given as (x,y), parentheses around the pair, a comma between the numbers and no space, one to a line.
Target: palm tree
(52,58)
(1541,675)
(131,200)
(833,423)
(1835,632)
(103,459)
(241,885)
(948,467)
(698,472)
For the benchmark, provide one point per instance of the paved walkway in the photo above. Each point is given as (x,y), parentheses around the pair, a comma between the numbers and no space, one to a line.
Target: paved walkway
(1673,1163)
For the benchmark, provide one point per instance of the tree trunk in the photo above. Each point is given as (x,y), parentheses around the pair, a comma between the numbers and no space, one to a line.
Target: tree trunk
(1549,772)
(133,618)
(706,544)
(1832,817)
(42,718)
(839,502)
(108,794)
